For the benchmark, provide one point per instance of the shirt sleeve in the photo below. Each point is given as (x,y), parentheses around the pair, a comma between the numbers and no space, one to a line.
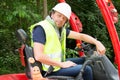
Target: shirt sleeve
(67,32)
(39,35)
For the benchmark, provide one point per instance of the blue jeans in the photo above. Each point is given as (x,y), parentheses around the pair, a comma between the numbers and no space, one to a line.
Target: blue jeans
(74,71)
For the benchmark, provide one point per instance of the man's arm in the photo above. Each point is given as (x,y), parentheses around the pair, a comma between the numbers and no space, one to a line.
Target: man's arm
(41,57)
(84,37)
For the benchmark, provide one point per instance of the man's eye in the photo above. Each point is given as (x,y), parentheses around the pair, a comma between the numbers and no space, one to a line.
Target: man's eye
(59,15)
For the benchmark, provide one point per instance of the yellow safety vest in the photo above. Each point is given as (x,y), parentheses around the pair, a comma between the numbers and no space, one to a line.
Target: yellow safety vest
(54,47)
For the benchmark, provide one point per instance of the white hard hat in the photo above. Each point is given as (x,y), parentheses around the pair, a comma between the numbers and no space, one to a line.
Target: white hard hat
(64,9)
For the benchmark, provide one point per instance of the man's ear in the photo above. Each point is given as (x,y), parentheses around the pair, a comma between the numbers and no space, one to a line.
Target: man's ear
(51,15)
(52,12)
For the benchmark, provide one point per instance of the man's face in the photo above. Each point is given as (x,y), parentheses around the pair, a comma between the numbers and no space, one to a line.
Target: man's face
(59,19)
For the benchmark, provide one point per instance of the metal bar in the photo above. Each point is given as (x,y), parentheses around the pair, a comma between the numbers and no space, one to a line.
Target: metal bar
(76,25)
(111,29)
(61,1)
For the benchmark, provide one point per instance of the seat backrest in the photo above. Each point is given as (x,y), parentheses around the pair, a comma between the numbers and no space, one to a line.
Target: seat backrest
(30,61)
(21,35)
(26,54)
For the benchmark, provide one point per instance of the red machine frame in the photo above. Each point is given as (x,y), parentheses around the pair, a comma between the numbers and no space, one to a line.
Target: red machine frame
(110,16)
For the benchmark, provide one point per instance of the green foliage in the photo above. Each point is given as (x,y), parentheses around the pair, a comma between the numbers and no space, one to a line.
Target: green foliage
(14,15)
(9,59)
(71,53)
(17,13)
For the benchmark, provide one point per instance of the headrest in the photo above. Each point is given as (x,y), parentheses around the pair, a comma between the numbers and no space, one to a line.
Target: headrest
(21,35)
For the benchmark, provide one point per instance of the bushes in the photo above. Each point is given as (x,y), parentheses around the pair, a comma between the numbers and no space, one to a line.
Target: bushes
(9,59)
(20,14)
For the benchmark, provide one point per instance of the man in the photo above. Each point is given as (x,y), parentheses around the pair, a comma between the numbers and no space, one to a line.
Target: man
(49,42)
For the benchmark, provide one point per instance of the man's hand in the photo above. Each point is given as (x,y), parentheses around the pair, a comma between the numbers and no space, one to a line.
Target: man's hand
(100,48)
(67,64)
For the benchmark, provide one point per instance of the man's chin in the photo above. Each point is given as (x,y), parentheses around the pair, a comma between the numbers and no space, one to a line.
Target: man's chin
(59,26)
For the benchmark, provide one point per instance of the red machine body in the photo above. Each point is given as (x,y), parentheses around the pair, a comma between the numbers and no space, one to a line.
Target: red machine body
(20,76)
(21,50)
(76,25)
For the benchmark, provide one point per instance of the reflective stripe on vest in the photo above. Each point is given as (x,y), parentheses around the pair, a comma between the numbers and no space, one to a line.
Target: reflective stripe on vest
(54,48)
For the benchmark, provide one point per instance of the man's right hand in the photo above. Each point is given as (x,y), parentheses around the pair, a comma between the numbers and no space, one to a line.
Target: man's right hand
(67,64)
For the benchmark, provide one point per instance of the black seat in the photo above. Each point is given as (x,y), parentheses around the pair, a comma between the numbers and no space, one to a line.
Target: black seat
(27,53)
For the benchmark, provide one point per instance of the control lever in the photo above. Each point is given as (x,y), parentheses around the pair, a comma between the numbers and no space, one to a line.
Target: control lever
(50,69)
